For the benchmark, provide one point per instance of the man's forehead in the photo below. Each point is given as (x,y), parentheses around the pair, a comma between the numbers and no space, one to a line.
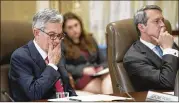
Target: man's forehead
(154,14)
(53,27)
(53,24)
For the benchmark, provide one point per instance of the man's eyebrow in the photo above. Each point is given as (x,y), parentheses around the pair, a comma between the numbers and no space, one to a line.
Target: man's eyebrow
(55,32)
(158,18)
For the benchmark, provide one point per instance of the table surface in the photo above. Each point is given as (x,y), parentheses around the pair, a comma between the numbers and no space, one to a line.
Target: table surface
(138,96)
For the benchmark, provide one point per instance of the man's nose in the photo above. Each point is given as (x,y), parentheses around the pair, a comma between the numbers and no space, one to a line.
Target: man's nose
(57,40)
(162,24)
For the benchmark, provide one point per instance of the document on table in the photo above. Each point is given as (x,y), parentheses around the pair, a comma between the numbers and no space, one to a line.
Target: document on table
(104,71)
(171,93)
(156,96)
(94,98)
(59,99)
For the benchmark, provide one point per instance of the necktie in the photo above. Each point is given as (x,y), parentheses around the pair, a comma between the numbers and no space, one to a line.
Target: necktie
(58,84)
(159,50)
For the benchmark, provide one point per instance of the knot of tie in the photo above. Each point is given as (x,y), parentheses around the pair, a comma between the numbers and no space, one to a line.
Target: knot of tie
(46,60)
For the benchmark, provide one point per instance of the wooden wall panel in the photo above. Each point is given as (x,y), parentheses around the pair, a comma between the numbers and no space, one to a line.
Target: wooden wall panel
(18,10)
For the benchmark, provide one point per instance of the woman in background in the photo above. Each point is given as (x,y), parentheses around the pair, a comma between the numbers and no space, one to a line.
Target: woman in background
(83,58)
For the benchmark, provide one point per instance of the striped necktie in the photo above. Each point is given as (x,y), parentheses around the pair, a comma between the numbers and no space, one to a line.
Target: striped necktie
(159,50)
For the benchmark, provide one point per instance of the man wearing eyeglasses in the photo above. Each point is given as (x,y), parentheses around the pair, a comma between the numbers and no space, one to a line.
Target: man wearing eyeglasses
(38,68)
(152,62)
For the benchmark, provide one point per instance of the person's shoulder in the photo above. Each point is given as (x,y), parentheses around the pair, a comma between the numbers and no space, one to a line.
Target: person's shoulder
(133,48)
(133,53)
(21,51)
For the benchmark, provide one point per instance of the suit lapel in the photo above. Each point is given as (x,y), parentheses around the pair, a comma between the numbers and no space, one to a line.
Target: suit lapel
(41,63)
(36,56)
(154,58)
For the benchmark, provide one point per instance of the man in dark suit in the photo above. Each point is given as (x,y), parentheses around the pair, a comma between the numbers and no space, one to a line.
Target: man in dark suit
(38,68)
(152,62)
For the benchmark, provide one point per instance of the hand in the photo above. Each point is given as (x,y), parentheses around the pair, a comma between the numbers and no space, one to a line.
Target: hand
(89,71)
(54,54)
(165,40)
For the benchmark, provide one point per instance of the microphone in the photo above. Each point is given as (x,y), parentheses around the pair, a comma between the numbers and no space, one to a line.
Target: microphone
(6,94)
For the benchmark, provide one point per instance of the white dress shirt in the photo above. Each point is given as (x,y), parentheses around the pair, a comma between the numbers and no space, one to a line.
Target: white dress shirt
(44,55)
(165,51)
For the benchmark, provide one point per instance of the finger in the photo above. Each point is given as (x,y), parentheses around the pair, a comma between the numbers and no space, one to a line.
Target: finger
(167,33)
(59,45)
(50,48)
(57,48)
(171,37)
(162,30)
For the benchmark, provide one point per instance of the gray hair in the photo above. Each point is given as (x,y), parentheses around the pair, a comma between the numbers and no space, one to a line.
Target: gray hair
(44,16)
(140,17)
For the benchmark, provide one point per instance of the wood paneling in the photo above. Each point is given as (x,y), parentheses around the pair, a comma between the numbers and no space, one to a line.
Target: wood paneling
(18,10)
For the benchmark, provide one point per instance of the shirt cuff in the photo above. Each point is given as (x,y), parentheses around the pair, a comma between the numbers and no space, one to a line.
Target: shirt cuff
(53,65)
(170,51)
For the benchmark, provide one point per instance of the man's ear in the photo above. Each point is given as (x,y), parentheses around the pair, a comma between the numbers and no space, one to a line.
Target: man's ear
(141,27)
(36,32)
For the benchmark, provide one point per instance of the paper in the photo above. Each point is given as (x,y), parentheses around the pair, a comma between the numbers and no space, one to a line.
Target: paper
(171,93)
(155,96)
(94,98)
(104,71)
(99,97)
(59,99)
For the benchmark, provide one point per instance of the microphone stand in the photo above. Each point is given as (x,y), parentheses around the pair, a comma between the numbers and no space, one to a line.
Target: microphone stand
(7,95)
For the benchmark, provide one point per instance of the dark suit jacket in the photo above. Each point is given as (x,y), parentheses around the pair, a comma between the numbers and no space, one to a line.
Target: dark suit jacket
(30,78)
(148,71)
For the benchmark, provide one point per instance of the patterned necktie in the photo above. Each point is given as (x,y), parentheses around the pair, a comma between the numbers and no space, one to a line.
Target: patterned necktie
(159,50)
(58,84)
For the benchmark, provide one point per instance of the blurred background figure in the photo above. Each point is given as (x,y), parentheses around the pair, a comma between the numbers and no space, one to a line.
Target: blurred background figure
(83,58)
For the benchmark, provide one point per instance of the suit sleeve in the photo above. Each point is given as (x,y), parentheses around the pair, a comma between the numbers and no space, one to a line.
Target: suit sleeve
(22,72)
(148,75)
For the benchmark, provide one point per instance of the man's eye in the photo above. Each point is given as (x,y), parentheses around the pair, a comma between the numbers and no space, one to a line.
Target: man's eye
(156,21)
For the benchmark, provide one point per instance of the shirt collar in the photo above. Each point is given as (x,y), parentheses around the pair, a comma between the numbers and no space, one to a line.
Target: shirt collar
(148,44)
(42,52)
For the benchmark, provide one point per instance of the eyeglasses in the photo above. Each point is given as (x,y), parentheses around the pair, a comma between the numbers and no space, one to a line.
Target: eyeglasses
(54,36)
